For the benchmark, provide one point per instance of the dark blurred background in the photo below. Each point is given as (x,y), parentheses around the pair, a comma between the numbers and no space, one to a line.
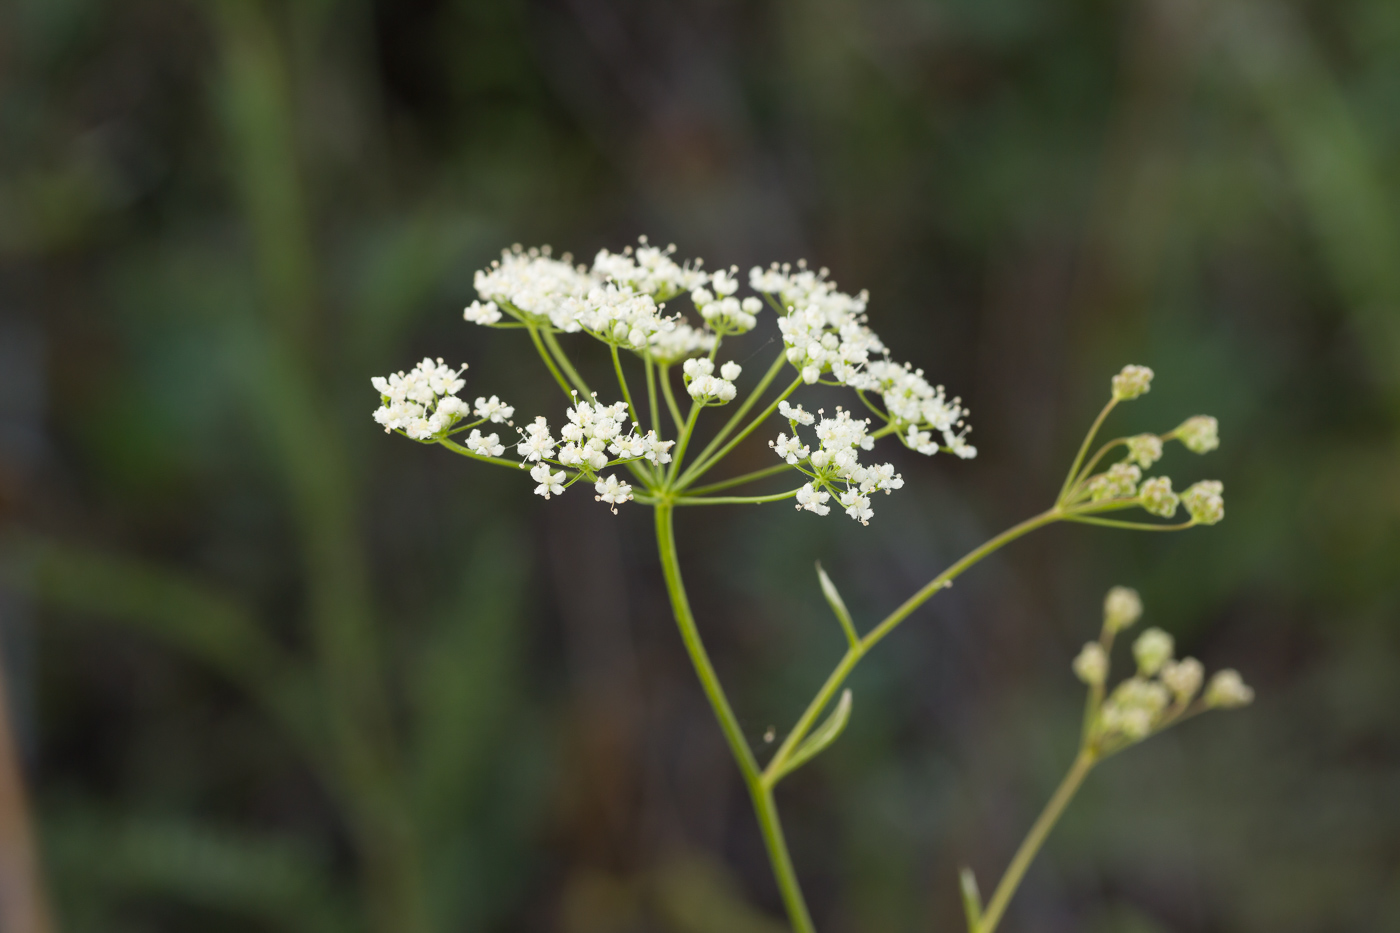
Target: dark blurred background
(270,669)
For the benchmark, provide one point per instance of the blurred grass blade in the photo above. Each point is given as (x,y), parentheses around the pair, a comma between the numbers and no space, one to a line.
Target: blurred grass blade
(176,611)
(822,736)
(838,606)
(971,898)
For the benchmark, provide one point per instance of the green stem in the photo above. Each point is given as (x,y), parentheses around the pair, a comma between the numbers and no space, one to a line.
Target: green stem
(457,448)
(741,480)
(665,378)
(1134,526)
(873,637)
(701,467)
(622,383)
(549,361)
(564,363)
(1084,448)
(1006,888)
(764,806)
(686,430)
(651,398)
(735,500)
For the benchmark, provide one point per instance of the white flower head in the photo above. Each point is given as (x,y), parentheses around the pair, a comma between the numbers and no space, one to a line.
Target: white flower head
(485,446)
(422,402)
(648,270)
(534,285)
(790,449)
(813,500)
(536,442)
(479,313)
(795,413)
(497,411)
(1132,382)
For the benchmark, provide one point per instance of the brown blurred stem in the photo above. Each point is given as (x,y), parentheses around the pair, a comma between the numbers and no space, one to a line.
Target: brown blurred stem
(23,906)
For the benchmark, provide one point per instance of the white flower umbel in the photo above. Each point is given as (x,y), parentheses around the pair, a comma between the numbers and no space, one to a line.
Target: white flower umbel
(919,410)
(616,314)
(534,287)
(649,270)
(707,388)
(422,403)
(721,310)
(612,491)
(824,328)
(680,342)
(836,460)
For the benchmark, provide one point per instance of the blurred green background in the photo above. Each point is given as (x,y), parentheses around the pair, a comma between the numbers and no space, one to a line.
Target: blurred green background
(273,670)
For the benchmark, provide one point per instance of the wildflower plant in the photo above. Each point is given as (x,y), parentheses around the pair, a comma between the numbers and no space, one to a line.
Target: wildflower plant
(634,445)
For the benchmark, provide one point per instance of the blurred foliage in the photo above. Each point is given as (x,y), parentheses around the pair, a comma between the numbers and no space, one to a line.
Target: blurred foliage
(345,686)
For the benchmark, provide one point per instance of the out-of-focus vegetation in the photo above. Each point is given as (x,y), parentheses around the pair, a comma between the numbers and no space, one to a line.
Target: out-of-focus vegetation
(273,670)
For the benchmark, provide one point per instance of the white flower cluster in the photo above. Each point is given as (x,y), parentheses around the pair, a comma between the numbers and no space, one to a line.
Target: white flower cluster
(680,342)
(704,386)
(824,329)
(1160,691)
(423,402)
(918,409)
(723,313)
(836,460)
(649,270)
(532,283)
(616,314)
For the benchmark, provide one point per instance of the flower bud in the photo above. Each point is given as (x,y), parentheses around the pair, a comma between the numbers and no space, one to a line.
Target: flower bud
(1183,678)
(1200,434)
(1152,649)
(1133,708)
(1119,482)
(1091,666)
(1121,608)
(1158,498)
(1227,690)
(1205,501)
(1131,382)
(1145,449)
(731,370)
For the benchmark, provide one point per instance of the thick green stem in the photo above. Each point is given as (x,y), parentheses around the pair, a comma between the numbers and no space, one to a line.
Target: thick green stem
(764,806)
(1035,839)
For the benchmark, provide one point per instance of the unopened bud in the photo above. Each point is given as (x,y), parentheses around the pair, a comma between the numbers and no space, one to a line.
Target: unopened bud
(1205,501)
(1228,690)
(1145,449)
(1152,649)
(1157,496)
(1200,434)
(1091,665)
(1121,608)
(1131,382)
(1183,678)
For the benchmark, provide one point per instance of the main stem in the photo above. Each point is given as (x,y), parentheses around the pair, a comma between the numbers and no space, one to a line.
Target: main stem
(1006,888)
(759,792)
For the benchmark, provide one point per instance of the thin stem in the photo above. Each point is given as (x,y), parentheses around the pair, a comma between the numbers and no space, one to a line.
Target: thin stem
(1006,888)
(1084,448)
(1135,526)
(1094,461)
(622,383)
(457,448)
(764,807)
(549,362)
(665,378)
(855,653)
(743,409)
(564,363)
(736,500)
(681,442)
(651,397)
(742,479)
(701,467)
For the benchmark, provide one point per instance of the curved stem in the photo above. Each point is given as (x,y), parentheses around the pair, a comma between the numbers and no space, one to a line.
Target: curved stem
(564,363)
(856,652)
(1134,526)
(549,361)
(457,448)
(1084,448)
(735,500)
(1006,888)
(764,806)
(665,378)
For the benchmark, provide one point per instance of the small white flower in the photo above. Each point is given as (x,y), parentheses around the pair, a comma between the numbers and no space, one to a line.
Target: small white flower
(488,446)
(478,313)
(1132,382)
(612,491)
(494,409)
(1091,664)
(731,370)
(790,449)
(813,500)
(550,484)
(1152,649)
(1122,607)
(657,450)
(795,413)
(536,442)
(857,506)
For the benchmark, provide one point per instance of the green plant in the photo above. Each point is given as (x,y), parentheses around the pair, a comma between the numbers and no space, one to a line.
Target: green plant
(620,301)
